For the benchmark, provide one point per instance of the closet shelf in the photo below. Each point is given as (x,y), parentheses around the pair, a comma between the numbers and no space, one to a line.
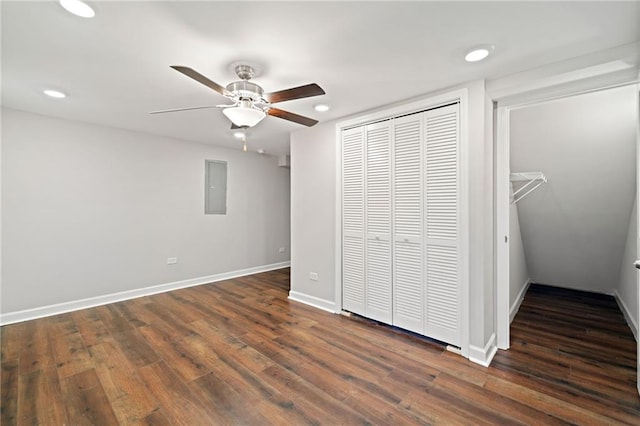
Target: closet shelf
(532,181)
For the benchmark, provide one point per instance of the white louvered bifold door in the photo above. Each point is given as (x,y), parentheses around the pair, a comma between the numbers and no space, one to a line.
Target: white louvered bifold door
(442,225)
(353,232)
(408,285)
(378,291)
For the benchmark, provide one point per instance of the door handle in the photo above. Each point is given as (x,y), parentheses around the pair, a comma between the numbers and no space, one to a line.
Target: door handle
(637,264)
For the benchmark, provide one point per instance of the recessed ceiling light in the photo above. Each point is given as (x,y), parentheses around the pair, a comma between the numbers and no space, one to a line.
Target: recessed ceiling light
(55,94)
(478,53)
(321,108)
(78,8)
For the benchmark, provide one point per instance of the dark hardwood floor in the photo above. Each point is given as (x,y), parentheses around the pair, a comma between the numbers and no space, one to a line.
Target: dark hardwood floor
(239,352)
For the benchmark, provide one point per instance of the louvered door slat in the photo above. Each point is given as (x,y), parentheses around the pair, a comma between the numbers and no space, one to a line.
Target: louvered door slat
(353,241)
(378,184)
(378,293)
(408,286)
(442,225)
(378,288)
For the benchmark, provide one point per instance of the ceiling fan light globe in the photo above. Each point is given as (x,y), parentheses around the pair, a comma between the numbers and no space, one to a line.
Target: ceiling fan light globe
(244,116)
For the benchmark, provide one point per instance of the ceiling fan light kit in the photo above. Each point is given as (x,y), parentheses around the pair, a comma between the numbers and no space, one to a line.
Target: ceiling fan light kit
(250,103)
(244,115)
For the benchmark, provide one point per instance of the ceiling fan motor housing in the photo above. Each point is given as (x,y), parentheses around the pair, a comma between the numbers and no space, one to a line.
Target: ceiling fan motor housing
(244,89)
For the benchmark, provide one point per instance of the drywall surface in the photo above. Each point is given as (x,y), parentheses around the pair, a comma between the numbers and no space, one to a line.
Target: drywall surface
(91,210)
(313,215)
(486,211)
(518,273)
(574,228)
(627,290)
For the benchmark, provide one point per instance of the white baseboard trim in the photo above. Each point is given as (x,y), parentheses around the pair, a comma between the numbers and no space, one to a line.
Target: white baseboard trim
(627,314)
(316,302)
(516,304)
(61,308)
(484,356)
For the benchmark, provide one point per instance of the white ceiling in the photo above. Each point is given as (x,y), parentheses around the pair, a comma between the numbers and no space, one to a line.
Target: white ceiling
(115,66)
(574,228)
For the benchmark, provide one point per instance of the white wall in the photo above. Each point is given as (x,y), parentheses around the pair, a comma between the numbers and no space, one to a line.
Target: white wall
(487,212)
(91,210)
(313,210)
(313,215)
(574,227)
(627,291)
(518,273)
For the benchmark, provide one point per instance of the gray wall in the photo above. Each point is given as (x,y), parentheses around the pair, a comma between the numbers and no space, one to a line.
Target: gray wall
(313,216)
(574,228)
(627,291)
(91,210)
(518,273)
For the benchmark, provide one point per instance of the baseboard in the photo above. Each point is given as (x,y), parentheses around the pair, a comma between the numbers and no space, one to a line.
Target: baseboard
(316,302)
(516,304)
(61,308)
(483,356)
(627,314)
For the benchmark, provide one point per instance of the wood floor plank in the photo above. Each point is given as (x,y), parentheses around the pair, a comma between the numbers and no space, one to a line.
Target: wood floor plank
(550,405)
(39,400)
(157,418)
(205,303)
(187,365)
(121,383)
(312,401)
(9,392)
(227,403)
(250,385)
(179,404)
(240,352)
(35,349)
(510,411)
(378,410)
(91,327)
(135,347)
(85,400)
(10,341)
(429,409)
(70,353)
(283,411)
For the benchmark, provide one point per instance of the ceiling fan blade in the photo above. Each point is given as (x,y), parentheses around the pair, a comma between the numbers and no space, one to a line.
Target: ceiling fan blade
(294,93)
(201,79)
(187,109)
(306,121)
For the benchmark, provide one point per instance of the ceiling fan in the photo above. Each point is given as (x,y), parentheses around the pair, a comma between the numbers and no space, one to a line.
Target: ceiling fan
(250,103)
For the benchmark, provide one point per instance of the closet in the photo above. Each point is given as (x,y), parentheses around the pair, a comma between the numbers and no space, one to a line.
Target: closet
(401,222)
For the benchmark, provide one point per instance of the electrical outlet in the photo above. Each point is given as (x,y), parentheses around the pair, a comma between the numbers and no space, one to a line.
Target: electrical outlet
(281,250)
(172,260)
(313,276)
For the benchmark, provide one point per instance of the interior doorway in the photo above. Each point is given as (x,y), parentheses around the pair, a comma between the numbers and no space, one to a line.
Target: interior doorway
(546,212)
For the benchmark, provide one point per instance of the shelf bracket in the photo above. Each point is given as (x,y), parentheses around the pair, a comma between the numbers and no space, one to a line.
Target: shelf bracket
(532,181)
